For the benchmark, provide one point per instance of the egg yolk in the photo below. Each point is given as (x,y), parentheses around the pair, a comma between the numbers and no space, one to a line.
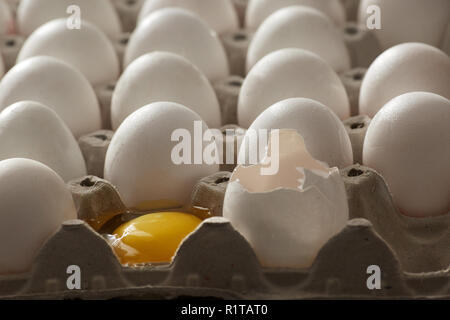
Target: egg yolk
(153,237)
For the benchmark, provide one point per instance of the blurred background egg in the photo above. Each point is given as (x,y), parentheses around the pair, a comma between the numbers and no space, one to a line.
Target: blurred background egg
(300,27)
(57,85)
(290,73)
(31,130)
(259,10)
(139,159)
(408,143)
(408,20)
(219,14)
(35,201)
(6,18)
(164,76)
(324,134)
(31,14)
(86,49)
(404,68)
(182,32)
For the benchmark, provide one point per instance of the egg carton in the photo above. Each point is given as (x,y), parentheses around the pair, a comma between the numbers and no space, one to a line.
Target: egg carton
(216,260)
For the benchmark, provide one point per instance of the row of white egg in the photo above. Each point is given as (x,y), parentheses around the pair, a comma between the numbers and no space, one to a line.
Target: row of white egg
(152,155)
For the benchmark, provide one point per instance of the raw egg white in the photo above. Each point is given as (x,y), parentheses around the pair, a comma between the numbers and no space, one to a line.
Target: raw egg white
(182,32)
(219,14)
(324,134)
(35,201)
(408,20)
(31,130)
(259,10)
(87,49)
(404,68)
(408,143)
(287,216)
(57,85)
(139,159)
(290,73)
(164,76)
(300,27)
(31,14)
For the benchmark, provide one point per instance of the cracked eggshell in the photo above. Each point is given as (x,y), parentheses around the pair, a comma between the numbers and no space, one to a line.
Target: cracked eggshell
(87,49)
(287,217)
(290,73)
(300,27)
(259,10)
(408,20)
(35,201)
(57,85)
(31,14)
(408,143)
(164,76)
(31,130)
(182,32)
(139,158)
(219,14)
(404,68)
(324,134)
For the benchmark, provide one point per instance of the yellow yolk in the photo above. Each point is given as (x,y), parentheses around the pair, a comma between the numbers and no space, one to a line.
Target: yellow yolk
(153,237)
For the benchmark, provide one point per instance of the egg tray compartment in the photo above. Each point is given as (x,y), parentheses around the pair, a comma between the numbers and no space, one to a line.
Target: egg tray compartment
(216,260)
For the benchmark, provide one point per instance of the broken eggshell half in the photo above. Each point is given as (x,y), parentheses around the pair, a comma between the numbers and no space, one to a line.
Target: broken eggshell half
(288,214)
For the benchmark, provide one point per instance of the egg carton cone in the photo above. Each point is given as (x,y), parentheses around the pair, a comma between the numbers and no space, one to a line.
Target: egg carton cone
(351,9)
(236,45)
(356,128)
(380,254)
(128,11)
(120,43)
(13,4)
(241,8)
(93,147)
(352,80)
(362,45)
(446,40)
(232,136)
(104,95)
(227,92)
(10,48)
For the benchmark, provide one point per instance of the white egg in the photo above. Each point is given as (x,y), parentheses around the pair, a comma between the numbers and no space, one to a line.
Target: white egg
(164,76)
(6,18)
(300,27)
(324,134)
(35,201)
(287,216)
(408,143)
(57,85)
(31,130)
(259,10)
(182,32)
(139,159)
(31,14)
(407,20)
(404,68)
(290,73)
(87,49)
(219,14)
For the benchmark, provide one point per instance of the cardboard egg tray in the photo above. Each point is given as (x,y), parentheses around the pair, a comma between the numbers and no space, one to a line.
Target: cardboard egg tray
(215,260)
(412,255)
